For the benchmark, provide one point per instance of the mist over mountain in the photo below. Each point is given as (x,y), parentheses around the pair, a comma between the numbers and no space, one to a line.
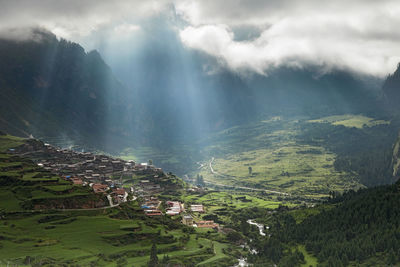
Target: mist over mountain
(53,88)
(192,93)
(167,93)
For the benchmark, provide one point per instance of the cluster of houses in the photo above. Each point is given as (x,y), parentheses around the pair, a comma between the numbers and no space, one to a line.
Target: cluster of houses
(151,208)
(189,221)
(174,208)
(84,165)
(147,187)
(101,172)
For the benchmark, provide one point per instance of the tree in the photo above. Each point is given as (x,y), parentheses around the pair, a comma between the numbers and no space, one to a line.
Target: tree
(165,259)
(2,213)
(150,162)
(244,227)
(391,260)
(199,180)
(153,256)
(250,170)
(234,236)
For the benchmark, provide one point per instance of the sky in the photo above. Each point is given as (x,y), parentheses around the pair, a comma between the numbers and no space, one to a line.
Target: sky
(244,35)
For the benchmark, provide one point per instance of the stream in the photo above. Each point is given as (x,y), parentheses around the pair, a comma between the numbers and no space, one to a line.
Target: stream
(243,261)
(259,225)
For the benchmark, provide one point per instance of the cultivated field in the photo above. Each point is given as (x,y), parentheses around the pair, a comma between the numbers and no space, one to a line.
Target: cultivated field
(278,161)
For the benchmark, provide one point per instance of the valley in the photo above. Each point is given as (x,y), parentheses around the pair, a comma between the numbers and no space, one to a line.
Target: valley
(47,209)
(281,160)
(252,175)
(172,136)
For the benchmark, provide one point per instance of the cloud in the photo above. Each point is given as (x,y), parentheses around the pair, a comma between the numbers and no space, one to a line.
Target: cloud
(74,19)
(358,35)
(255,35)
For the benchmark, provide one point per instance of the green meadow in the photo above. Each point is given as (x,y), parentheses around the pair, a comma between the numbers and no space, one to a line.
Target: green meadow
(278,161)
(106,238)
(117,236)
(221,205)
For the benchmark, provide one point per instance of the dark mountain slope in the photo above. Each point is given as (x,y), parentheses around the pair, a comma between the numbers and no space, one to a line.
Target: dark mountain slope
(182,93)
(391,91)
(357,229)
(54,88)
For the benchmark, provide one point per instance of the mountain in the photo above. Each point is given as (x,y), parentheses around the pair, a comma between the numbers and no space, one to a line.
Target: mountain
(168,95)
(183,94)
(52,88)
(391,91)
(391,98)
(181,84)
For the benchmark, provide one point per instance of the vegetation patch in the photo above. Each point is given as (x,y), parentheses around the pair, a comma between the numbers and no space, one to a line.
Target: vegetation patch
(348,120)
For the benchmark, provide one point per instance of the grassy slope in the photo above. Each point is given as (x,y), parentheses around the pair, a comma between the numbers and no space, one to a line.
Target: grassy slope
(278,161)
(85,239)
(271,148)
(84,236)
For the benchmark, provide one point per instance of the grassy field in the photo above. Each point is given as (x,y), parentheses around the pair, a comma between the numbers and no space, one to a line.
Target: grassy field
(278,161)
(220,205)
(8,141)
(103,238)
(107,237)
(214,200)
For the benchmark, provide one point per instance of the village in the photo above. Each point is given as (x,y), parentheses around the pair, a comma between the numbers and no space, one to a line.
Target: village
(104,175)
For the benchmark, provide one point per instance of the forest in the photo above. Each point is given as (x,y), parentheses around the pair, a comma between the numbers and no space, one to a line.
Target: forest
(355,228)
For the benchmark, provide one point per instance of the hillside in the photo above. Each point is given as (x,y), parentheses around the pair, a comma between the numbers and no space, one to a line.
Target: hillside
(181,98)
(353,229)
(52,88)
(25,186)
(391,91)
(50,218)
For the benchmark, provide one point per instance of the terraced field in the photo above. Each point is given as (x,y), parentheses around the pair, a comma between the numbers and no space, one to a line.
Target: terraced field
(105,238)
(278,161)
(117,236)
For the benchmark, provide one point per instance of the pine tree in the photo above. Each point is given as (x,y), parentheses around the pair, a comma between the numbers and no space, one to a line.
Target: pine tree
(201,181)
(165,259)
(391,258)
(153,256)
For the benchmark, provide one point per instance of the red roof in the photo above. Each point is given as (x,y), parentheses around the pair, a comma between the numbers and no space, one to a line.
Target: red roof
(99,187)
(77,181)
(207,224)
(119,191)
(154,213)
